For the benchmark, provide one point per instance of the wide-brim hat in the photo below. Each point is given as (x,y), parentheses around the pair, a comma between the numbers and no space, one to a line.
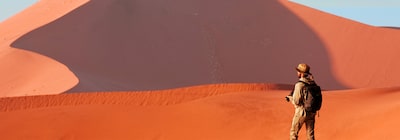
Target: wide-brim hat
(303,68)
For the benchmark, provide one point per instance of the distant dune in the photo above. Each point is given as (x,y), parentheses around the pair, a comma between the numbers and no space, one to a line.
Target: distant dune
(191,70)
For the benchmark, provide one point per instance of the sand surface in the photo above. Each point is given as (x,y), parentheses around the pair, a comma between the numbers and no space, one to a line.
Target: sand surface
(237,112)
(191,70)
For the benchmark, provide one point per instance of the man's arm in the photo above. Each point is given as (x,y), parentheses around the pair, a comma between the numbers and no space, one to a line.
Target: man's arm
(289,97)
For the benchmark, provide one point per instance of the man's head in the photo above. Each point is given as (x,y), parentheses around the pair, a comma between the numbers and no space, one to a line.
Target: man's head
(302,69)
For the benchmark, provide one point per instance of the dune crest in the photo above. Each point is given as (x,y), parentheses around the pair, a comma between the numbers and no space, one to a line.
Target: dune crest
(141,98)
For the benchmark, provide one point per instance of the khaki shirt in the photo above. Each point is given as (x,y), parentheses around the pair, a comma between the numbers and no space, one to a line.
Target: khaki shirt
(297,97)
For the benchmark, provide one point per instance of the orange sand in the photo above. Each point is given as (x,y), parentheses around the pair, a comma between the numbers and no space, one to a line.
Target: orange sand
(190,70)
(237,112)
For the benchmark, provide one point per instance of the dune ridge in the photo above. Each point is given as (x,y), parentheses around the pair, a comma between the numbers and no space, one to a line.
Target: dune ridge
(141,98)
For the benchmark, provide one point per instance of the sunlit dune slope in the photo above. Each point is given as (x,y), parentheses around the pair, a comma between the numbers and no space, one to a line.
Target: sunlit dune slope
(28,73)
(360,55)
(25,73)
(212,112)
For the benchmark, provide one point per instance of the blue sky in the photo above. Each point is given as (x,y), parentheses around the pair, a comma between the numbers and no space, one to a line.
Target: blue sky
(9,8)
(371,12)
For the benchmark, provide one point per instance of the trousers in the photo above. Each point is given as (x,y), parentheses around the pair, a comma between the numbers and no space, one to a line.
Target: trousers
(302,117)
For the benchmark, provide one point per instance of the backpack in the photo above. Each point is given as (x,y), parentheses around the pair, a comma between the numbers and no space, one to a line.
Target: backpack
(312,97)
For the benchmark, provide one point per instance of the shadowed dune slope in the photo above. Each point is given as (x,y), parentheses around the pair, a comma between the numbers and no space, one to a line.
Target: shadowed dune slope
(212,112)
(116,45)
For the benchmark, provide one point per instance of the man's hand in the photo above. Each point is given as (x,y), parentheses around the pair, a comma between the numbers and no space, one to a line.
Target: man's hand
(288,98)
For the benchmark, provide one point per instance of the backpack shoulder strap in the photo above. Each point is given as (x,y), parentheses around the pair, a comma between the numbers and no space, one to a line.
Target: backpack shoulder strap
(305,83)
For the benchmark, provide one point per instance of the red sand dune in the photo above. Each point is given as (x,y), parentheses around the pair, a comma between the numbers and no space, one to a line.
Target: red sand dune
(153,70)
(124,45)
(361,56)
(28,73)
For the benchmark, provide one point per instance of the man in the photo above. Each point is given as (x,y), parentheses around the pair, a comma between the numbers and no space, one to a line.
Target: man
(301,116)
